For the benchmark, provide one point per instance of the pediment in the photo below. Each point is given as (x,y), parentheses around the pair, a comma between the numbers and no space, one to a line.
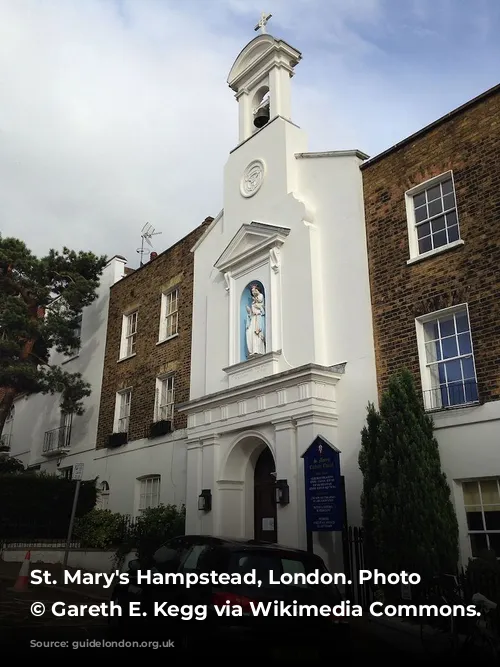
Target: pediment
(250,241)
(263,51)
(250,55)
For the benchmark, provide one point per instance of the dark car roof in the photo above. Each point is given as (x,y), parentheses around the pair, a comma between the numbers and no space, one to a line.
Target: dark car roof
(238,542)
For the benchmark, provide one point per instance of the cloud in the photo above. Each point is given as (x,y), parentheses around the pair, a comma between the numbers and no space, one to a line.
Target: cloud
(114,113)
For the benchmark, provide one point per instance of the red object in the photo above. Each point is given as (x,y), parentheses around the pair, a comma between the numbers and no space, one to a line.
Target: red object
(22,583)
(153,255)
(233,600)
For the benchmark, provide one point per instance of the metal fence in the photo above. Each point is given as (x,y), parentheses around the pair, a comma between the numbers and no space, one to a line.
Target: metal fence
(455,588)
(354,561)
(458,589)
(34,536)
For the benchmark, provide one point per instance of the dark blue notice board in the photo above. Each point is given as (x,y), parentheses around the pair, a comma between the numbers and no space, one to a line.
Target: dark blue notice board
(323,488)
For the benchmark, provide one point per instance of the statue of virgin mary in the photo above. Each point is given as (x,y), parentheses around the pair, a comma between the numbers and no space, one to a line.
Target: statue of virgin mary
(255,324)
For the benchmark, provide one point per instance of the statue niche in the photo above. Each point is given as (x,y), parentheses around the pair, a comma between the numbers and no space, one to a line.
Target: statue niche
(253,313)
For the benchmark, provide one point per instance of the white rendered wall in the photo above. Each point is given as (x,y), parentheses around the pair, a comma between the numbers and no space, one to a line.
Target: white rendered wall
(122,470)
(469,446)
(325,298)
(34,415)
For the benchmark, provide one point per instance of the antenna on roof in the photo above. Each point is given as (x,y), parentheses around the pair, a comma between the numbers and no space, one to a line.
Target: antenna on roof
(147,232)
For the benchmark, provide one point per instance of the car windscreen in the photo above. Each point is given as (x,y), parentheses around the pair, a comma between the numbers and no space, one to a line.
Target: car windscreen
(267,564)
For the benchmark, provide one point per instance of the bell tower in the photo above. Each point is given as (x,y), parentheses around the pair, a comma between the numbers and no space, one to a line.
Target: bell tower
(261,79)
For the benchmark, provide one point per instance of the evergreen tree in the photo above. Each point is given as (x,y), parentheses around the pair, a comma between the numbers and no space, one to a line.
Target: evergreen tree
(408,516)
(369,457)
(41,300)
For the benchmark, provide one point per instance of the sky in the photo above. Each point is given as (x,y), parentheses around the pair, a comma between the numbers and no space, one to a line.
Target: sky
(117,113)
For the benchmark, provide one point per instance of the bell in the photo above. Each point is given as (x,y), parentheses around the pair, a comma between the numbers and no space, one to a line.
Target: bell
(261,117)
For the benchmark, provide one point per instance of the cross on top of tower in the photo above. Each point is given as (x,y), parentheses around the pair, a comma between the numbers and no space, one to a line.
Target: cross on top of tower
(264,18)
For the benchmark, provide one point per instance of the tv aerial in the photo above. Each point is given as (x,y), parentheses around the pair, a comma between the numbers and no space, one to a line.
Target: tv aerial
(147,232)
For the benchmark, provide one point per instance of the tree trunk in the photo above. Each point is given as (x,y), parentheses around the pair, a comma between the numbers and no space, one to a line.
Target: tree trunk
(8,396)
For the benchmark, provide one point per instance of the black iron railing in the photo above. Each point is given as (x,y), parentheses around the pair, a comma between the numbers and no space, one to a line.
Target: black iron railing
(56,439)
(451,395)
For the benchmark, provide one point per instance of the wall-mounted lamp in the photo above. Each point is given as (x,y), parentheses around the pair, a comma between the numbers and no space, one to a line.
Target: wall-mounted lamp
(205,500)
(282,492)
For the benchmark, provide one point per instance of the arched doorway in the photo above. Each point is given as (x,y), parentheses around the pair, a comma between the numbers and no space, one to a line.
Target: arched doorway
(265,515)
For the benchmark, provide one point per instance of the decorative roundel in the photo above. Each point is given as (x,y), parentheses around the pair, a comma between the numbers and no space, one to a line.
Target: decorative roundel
(253,177)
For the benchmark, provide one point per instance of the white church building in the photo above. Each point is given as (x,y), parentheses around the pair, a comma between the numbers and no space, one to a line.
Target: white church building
(282,344)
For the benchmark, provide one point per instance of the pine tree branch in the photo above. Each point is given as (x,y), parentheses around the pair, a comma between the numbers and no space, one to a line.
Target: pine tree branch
(19,289)
(40,361)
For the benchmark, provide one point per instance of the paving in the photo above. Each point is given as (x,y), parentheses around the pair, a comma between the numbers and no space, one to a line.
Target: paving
(20,629)
(19,624)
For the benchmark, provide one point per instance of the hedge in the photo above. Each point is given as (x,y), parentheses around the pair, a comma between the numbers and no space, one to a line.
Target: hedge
(38,505)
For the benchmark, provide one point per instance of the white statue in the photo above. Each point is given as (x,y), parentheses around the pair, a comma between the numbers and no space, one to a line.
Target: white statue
(255,326)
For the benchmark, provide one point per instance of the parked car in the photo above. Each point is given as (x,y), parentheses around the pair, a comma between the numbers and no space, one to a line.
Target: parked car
(270,636)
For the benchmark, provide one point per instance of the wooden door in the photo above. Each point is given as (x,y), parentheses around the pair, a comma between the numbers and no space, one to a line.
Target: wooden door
(266,529)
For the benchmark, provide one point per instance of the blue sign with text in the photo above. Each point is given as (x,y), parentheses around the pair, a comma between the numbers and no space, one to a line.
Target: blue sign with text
(323,488)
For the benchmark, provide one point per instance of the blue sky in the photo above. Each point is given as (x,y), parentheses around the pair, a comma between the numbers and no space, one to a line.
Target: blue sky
(114,113)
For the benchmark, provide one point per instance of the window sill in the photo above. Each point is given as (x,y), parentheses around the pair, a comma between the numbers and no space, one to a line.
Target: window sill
(452,408)
(165,340)
(130,356)
(436,251)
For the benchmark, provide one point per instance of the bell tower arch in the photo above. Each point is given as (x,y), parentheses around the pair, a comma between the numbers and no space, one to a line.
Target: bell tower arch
(261,80)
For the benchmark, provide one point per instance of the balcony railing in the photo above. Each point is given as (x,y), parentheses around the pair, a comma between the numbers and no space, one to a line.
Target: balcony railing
(5,442)
(452,395)
(56,441)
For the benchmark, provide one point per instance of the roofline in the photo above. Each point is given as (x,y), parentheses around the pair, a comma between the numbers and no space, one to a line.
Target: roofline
(431,126)
(348,153)
(208,229)
(136,271)
(274,44)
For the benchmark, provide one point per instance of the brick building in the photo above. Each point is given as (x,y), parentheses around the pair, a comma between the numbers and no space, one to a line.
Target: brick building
(432,208)
(146,374)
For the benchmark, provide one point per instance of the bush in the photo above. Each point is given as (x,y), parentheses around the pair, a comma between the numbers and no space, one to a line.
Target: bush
(38,505)
(10,466)
(100,529)
(155,526)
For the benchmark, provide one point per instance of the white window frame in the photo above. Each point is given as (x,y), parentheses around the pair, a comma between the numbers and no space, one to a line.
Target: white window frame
(128,341)
(104,492)
(149,487)
(169,317)
(66,473)
(431,394)
(65,424)
(486,531)
(415,254)
(165,398)
(123,405)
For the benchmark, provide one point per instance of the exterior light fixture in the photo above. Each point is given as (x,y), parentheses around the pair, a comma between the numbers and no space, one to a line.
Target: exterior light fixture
(205,500)
(282,492)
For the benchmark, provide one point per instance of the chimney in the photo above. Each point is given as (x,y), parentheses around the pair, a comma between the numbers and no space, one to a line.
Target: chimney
(152,255)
